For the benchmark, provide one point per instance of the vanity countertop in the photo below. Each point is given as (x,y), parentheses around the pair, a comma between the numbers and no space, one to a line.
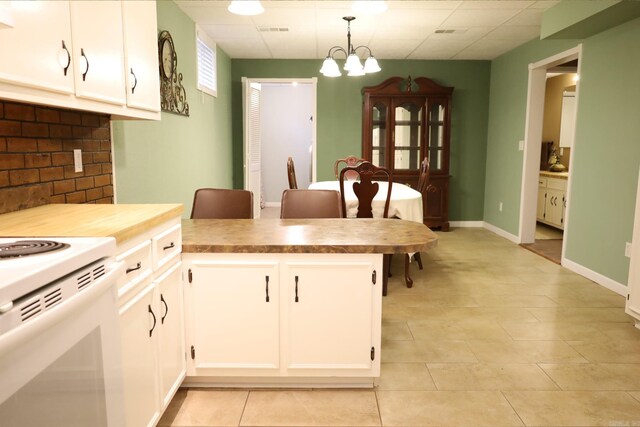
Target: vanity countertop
(559,175)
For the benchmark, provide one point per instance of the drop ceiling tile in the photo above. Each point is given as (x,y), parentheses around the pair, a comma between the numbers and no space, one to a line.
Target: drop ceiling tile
(231,31)
(479,17)
(468,33)
(287,52)
(544,4)
(392,53)
(211,14)
(415,17)
(434,5)
(521,33)
(407,45)
(496,4)
(239,49)
(403,32)
(430,48)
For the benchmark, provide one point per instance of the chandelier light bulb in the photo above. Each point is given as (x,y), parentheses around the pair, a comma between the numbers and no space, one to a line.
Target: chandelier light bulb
(245,7)
(352,63)
(371,65)
(330,68)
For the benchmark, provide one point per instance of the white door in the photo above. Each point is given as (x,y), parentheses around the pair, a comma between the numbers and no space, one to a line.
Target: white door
(633,285)
(251,112)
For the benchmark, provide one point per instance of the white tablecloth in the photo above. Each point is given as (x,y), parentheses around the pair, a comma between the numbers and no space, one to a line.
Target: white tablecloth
(405,203)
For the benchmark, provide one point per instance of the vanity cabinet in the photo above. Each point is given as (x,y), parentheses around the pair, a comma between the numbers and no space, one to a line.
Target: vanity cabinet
(552,201)
(274,316)
(403,121)
(71,54)
(151,318)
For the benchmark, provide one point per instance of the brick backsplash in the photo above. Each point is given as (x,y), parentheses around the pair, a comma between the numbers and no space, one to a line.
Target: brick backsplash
(36,156)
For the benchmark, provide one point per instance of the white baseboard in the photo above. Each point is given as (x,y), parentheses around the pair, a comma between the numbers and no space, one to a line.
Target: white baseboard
(601,280)
(500,232)
(465,224)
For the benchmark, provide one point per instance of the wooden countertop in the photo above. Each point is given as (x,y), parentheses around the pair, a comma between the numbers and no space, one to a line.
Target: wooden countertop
(559,175)
(305,236)
(122,221)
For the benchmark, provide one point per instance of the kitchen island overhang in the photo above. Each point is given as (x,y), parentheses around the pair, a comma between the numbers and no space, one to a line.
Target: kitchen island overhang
(291,303)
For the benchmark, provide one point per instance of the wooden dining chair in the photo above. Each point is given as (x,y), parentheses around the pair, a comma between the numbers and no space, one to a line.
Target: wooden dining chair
(365,190)
(348,161)
(218,203)
(310,204)
(291,174)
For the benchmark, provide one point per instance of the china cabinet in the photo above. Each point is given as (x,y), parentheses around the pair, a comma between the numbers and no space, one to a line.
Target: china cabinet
(403,121)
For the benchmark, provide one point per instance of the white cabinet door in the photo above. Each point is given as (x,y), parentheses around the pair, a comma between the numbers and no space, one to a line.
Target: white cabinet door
(98,39)
(554,208)
(33,49)
(542,201)
(171,355)
(141,54)
(139,324)
(330,313)
(235,317)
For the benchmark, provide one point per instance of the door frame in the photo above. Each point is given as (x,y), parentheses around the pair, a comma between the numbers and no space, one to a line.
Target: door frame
(533,141)
(314,96)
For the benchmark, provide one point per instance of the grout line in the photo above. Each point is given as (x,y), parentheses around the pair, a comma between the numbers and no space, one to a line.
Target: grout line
(549,376)
(244,407)
(375,393)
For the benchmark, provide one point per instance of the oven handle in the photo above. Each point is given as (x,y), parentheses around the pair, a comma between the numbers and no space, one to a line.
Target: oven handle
(30,329)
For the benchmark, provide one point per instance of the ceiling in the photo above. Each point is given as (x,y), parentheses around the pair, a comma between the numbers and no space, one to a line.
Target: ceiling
(407,30)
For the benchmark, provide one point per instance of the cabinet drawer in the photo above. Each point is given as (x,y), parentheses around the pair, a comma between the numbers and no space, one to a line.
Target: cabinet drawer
(542,181)
(166,246)
(557,184)
(137,262)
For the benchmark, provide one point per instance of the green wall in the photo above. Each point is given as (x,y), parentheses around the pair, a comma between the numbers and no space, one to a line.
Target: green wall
(339,117)
(606,152)
(166,161)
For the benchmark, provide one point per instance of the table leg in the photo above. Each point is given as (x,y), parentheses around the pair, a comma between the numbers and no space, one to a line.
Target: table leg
(407,278)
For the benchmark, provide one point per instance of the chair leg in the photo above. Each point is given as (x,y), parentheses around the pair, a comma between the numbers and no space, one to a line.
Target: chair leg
(390,257)
(407,279)
(385,273)
(418,259)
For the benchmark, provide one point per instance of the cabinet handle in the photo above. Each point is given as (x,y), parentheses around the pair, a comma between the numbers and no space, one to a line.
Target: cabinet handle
(166,309)
(137,267)
(62,59)
(172,245)
(135,81)
(84,64)
(154,321)
(296,288)
(266,279)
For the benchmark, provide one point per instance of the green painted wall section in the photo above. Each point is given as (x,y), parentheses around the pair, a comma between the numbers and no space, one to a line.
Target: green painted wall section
(166,161)
(339,117)
(606,152)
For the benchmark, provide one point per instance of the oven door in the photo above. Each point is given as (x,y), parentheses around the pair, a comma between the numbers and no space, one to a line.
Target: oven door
(63,368)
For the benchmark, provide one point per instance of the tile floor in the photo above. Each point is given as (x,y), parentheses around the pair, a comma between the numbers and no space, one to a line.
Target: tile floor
(490,335)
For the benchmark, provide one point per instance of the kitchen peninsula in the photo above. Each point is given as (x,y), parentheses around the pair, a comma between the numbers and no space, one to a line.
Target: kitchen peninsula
(274,302)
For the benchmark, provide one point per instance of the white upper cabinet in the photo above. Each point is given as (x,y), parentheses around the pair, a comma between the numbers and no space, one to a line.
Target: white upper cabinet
(568,119)
(37,50)
(141,56)
(97,50)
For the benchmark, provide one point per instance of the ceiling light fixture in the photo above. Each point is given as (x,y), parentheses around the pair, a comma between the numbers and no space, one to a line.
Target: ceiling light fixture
(245,7)
(353,66)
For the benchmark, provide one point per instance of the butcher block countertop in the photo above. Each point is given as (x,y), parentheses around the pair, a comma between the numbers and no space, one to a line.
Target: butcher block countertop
(305,236)
(122,221)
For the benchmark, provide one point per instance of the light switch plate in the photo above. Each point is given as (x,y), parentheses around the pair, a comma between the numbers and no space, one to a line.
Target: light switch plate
(627,250)
(521,145)
(77,160)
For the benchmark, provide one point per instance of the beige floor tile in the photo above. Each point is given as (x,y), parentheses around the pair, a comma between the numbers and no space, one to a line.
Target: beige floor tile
(635,394)
(462,329)
(427,299)
(489,376)
(580,300)
(311,408)
(396,330)
(571,314)
(515,301)
(205,408)
(605,376)
(507,351)
(418,351)
(554,331)
(619,331)
(445,408)
(404,376)
(608,351)
(575,408)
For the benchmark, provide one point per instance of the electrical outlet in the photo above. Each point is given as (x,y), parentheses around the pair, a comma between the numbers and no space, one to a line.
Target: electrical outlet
(77,160)
(521,145)
(627,250)
(500,207)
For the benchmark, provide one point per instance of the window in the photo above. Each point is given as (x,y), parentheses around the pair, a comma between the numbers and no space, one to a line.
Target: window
(207,69)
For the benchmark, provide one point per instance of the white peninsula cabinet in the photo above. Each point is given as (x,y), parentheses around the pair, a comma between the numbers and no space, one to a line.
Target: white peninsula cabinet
(151,322)
(79,55)
(291,316)
(552,201)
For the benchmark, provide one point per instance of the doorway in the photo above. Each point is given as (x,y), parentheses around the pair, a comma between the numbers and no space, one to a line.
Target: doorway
(535,186)
(279,122)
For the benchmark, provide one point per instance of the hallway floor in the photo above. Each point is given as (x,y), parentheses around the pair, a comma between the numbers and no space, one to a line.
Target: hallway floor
(490,335)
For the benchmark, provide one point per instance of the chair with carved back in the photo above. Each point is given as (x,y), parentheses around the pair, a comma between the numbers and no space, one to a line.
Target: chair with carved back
(348,161)
(299,203)
(219,203)
(291,174)
(365,190)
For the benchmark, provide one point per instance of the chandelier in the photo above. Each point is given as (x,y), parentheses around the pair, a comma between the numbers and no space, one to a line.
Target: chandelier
(353,66)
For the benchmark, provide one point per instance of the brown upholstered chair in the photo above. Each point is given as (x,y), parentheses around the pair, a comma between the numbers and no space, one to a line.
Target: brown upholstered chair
(310,204)
(348,161)
(291,174)
(365,190)
(218,203)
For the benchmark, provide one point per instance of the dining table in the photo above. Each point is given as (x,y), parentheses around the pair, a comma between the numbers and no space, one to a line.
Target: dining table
(405,202)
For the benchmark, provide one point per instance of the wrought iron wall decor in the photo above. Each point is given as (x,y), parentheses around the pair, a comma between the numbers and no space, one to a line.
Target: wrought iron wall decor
(173,97)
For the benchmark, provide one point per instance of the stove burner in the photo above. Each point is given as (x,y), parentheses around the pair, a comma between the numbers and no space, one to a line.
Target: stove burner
(22,248)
